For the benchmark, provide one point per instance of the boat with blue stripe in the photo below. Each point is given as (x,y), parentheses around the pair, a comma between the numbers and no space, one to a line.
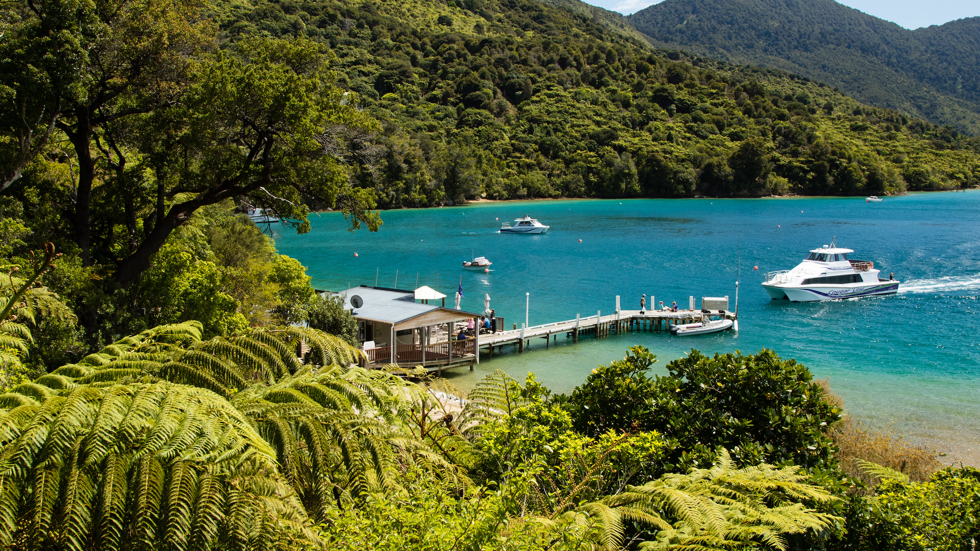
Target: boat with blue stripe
(524,225)
(828,274)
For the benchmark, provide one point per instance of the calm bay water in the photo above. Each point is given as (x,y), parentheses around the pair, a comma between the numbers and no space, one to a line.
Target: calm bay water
(908,362)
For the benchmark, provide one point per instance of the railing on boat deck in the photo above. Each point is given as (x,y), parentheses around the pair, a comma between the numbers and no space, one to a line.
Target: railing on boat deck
(412,353)
(781,276)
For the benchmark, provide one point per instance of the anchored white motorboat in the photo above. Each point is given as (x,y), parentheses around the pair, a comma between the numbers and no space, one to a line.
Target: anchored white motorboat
(873,199)
(524,225)
(478,263)
(827,274)
(703,327)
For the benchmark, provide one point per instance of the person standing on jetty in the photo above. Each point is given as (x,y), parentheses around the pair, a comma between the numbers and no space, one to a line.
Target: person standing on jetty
(643,303)
(493,321)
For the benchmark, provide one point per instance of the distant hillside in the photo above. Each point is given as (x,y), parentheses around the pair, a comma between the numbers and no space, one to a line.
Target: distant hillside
(933,73)
(611,19)
(513,99)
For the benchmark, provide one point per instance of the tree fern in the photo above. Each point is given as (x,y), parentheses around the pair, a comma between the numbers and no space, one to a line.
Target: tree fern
(138,466)
(880,472)
(496,395)
(723,507)
(333,431)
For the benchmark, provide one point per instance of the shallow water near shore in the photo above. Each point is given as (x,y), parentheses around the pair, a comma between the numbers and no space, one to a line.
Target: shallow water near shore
(909,362)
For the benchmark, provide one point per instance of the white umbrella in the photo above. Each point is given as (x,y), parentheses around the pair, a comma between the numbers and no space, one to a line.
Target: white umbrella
(457,300)
(486,304)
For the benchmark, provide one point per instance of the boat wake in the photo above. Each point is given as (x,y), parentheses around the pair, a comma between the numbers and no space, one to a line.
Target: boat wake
(962,283)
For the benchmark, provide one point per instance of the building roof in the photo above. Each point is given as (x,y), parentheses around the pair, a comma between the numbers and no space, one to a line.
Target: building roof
(398,307)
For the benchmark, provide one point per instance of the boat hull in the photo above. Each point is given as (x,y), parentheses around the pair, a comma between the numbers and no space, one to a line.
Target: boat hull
(524,230)
(701,328)
(817,293)
(775,292)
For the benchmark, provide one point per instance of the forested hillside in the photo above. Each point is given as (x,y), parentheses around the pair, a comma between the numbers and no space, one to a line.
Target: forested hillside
(932,73)
(517,99)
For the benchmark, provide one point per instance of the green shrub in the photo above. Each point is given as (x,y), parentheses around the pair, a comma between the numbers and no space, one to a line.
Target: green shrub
(760,407)
(942,514)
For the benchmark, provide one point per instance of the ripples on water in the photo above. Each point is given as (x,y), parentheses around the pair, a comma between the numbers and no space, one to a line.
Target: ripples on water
(908,361)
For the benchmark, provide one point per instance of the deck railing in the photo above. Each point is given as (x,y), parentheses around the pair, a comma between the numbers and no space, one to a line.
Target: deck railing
(412,353)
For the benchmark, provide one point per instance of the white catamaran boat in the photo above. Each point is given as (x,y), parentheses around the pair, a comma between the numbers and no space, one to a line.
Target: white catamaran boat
(524,225)
(827,274)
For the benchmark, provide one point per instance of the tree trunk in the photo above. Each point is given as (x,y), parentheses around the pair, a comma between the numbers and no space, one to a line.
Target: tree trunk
(81,139)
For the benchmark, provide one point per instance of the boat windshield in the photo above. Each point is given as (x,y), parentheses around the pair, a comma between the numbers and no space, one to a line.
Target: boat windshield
(824,257)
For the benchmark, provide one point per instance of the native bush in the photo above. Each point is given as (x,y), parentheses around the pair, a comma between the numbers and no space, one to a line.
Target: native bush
(942,514)
(761,407)
(614,397)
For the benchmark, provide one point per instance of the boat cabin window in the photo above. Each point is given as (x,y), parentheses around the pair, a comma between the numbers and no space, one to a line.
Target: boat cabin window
(833,280)
(524,224)
(823,257)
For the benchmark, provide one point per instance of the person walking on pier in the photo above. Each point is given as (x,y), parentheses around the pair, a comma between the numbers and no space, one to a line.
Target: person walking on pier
(643,303)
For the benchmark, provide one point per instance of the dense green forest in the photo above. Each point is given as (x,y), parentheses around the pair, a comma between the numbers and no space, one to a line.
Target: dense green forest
(932,73)
(518,100)
(158,392)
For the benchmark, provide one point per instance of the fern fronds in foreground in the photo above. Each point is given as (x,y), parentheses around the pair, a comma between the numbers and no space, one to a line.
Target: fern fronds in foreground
(140,466)
(722,507)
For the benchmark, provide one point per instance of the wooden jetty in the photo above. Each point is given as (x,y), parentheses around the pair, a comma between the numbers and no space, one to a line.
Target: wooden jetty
(599,326)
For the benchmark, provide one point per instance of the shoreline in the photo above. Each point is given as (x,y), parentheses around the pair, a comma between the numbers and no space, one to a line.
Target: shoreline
(488,201)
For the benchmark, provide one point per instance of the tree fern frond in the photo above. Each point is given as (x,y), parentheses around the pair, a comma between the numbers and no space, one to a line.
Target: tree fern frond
(881,472)
(720,505)
(181,491)
(611,520)
(111,507)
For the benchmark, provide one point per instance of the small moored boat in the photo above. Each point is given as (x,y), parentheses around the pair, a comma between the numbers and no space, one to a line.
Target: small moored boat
(524,225)
(873,199)
(478,263)
(704,327)
(262,216)
(827,274)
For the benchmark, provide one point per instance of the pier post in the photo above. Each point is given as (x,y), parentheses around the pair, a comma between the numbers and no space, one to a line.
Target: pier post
(575,332)
(520,344)
(692,303)
(476,346)
(598,323)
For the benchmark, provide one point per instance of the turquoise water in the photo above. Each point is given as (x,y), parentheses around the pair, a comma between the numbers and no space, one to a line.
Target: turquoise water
(909,362)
